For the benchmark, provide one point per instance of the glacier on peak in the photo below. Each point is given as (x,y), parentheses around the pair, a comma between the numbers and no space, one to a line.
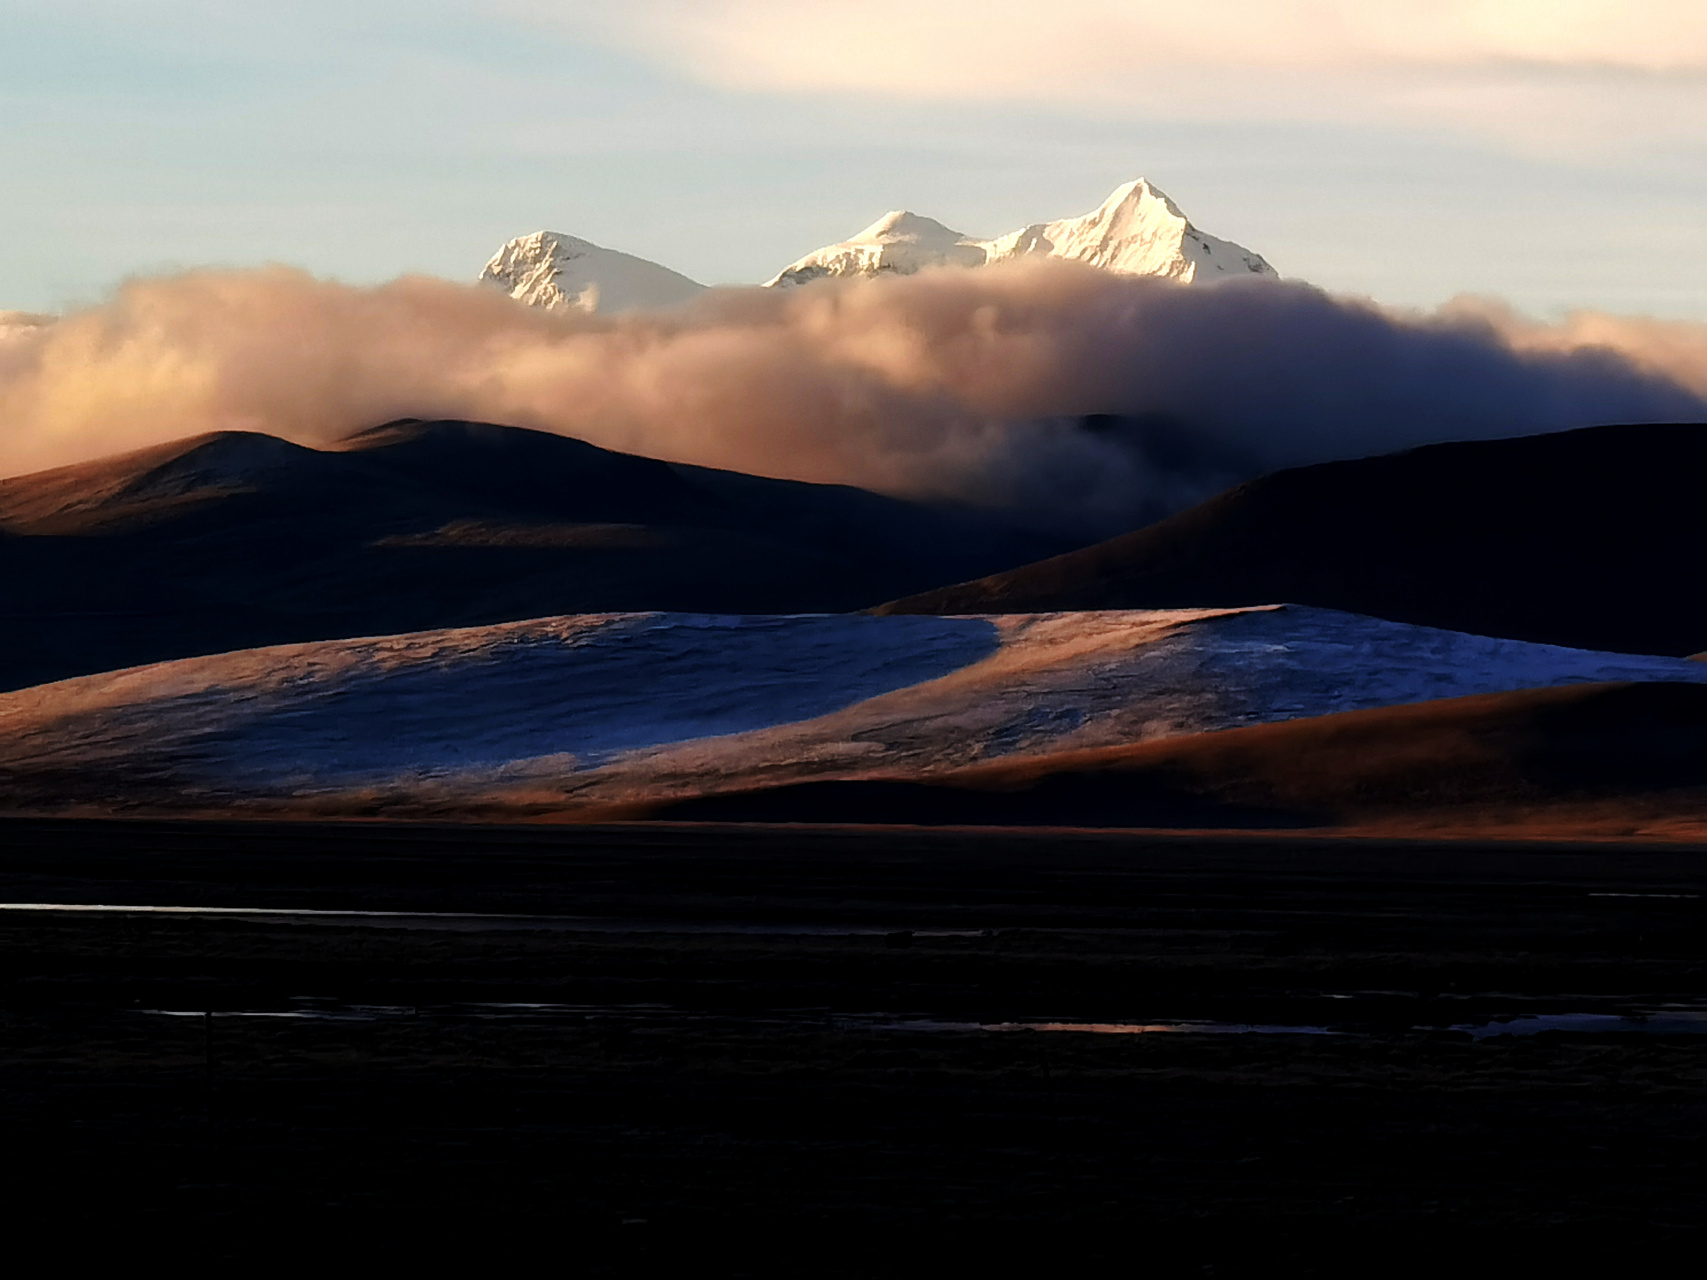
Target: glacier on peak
(560,272)
(1138,230)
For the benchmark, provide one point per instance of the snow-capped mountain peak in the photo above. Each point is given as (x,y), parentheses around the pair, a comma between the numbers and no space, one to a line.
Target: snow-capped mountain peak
(901,241)
(1138,230)
(904,225)
(560,272)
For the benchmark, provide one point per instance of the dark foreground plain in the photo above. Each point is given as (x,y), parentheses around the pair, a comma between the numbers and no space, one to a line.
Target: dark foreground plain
(826,1051)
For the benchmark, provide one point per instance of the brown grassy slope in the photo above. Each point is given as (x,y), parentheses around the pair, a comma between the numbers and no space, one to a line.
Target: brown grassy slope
(1578,538)
(1610,757)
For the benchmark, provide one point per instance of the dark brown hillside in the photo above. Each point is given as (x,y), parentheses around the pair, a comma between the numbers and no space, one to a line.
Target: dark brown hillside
(1588,538)
(1581,758)
(237,539)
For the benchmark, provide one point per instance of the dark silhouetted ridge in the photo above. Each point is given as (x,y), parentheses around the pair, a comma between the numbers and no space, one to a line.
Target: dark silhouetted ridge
(533,472)
(237,539)
(1587,538)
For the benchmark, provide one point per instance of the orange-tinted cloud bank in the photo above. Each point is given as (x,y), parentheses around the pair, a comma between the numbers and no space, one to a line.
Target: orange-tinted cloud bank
(961,384)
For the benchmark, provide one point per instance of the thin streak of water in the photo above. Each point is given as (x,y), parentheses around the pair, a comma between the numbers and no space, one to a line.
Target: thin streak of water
(1664,1023)
(1655,1022)
(470,920)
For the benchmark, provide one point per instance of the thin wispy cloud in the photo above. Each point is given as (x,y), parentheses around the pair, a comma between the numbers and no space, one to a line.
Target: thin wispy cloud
(921,44)
(1538,74)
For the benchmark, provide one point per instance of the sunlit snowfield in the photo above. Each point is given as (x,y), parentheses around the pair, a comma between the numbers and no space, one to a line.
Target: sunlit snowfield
(595,710)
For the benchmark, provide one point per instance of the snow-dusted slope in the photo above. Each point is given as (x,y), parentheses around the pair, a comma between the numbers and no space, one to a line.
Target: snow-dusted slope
(551,270)
(900,242)
(561,714)
(1136,231)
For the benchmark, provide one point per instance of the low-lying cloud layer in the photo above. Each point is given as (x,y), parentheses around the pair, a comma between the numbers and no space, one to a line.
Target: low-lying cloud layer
(971,385)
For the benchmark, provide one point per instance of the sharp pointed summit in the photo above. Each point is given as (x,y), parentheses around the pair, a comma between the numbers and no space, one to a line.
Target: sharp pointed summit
(1137,231)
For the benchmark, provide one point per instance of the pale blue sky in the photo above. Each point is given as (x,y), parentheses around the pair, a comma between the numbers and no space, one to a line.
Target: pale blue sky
(725,138)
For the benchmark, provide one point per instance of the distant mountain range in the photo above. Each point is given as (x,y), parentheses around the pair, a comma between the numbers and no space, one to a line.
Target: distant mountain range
(1138,230)
(1584,538)
(236,539)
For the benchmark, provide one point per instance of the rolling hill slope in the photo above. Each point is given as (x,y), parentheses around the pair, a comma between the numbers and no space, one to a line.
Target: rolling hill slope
(1615,759)
(236,539)
(1585,538)
(612,713)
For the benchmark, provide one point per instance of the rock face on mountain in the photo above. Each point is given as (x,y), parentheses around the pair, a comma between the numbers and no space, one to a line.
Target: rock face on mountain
(1136,231)
(558,272)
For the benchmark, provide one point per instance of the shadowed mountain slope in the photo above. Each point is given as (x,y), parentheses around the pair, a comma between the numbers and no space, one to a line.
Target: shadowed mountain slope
(1584,538)
(237,539)
(1581,758)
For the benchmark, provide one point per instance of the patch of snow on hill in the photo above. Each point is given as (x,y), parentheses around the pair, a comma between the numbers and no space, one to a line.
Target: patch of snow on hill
(1302,661)
(558,272)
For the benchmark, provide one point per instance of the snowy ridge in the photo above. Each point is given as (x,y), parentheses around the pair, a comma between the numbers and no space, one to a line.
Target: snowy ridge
(558,272)
(1138,230)
(900,242)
